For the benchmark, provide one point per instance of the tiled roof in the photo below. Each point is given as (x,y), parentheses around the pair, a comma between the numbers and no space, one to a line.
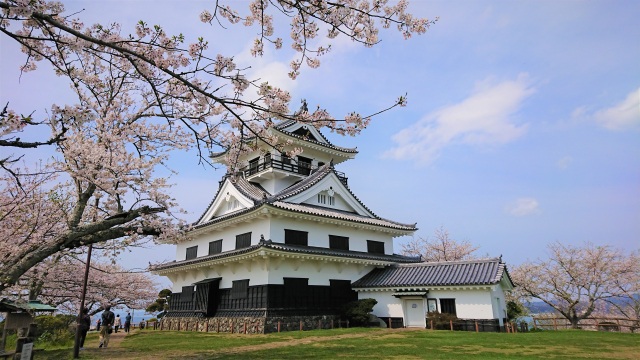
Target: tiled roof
(343,215)
(285,124)
(311,250)
(327,144)
(449,273)
(260,197)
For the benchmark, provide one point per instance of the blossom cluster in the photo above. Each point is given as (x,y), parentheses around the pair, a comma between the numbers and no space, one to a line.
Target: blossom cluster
(141,97)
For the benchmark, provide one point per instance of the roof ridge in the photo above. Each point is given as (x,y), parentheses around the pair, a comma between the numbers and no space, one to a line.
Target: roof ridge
(455,262)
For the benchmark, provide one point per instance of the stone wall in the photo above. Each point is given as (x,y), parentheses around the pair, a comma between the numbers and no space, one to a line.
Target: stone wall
(251,325)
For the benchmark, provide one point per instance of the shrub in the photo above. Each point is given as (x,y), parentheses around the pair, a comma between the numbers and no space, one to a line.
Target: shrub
(441,321)
(358,312)
(56,330)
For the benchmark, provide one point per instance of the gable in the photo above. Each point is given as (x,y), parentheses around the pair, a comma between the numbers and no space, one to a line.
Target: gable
(305,131)
(228,200)
(331,193)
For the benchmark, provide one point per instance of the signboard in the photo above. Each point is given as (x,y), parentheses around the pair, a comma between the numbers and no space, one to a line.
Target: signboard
(27,349)
(18,321)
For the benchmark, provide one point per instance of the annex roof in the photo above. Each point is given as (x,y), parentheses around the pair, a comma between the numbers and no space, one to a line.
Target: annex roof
(289,249)
(447,273)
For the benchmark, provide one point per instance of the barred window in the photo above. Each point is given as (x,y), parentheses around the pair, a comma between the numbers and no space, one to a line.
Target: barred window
(243,240)
(296,237)
(192,252)
(215,247)
(448,306)
(338,242)
(240,289)
(375,247)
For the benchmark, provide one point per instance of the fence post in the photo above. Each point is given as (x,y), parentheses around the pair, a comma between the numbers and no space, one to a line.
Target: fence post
(331,324)
(300,325)
(555,324)
(278,325)
(476,325)
(451,324)
(347,324)
(431,324)
(534,324)
(319,324)
(597,325)
(245,326)
(161,325)
(618,322)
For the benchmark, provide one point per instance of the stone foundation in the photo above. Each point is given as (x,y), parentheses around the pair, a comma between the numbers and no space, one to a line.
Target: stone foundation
(251,325)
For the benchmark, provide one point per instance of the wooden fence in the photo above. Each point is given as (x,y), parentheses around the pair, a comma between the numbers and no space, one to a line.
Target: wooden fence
(598,324)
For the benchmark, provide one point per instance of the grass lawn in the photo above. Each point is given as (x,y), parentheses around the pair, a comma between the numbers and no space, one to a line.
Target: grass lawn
(363,344)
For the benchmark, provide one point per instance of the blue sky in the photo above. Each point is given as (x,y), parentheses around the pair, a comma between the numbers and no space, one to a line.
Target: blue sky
(522,126)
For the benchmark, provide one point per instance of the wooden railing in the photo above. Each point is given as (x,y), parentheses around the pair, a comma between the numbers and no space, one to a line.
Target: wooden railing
(599,324)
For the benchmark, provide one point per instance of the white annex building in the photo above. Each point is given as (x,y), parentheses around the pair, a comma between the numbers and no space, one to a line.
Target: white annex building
(285,239)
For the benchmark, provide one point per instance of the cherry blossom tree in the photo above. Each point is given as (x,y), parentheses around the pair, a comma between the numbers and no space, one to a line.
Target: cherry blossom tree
(140,98)
(440,247)
(58,281)
(576,280)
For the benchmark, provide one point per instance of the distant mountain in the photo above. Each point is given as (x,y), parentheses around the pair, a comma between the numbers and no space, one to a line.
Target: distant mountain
(539,307)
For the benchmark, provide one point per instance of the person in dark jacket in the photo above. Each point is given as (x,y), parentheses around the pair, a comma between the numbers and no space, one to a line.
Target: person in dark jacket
(84,323)
(107,326)
(127,322)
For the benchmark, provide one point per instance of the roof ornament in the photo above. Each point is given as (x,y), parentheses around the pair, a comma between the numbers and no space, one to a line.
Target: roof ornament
(331,163)
(330,191)
(303,108)
(262,240)
(228,197)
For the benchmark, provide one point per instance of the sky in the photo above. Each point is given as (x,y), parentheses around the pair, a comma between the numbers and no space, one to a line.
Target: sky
(522,126)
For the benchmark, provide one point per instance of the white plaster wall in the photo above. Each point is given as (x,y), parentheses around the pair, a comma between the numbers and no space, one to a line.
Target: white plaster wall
(249,269)
(500,303)
(319,234)
(387,306)
(272,271)
(257,227)
(318,272)
(470,304)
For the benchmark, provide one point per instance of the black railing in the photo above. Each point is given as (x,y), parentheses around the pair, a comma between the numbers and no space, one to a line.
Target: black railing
(286,165)
(289,165)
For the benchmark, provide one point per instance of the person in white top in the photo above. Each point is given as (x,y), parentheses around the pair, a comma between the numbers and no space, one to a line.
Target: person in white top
(117,323)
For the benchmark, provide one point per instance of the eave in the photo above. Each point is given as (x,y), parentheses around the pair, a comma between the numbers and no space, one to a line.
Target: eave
(427,288)
(271,254)
(267,210)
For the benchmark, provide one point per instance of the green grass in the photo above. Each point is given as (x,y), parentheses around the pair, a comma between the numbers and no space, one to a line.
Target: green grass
(365,344)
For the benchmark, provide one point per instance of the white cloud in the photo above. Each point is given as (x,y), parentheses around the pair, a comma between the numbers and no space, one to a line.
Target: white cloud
(623,115)
(564,162)
(523,206)
(486,117)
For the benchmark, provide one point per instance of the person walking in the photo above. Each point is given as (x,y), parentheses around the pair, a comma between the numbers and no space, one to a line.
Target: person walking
(107,326)
(84,323)
(127,322)
(117,323)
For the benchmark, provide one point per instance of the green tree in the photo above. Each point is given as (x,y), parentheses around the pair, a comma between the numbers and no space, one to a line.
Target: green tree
(161,304)
(358,312)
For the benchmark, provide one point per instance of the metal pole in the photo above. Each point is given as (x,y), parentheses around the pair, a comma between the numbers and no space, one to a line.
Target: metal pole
(76,345)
